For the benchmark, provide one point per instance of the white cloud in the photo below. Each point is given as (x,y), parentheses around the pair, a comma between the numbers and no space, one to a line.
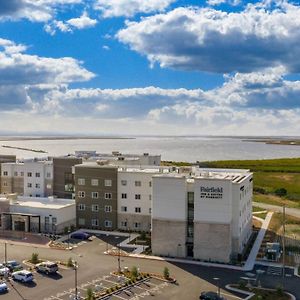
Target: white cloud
(33,10)
(206,39)
(82,22)
(218,2)
(128,8)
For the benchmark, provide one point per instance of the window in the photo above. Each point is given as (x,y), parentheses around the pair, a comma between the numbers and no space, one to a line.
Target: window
(37,174)
(124,196)
(150,210)
(16,174)
(22,174)
(150,183)
(81,194)
(54,220)
(38,195)
(48,175)
(5,173)
(137,209)
(95,222)
(49,186)
(107,196)
(37,185)
(4,183)
(107,223)
(95,195)
(95,207)
(124,208)
(150,197)
(94,182)
(108,208)
(137,183)
(137,225)
(81,221)
(137,196)
(123,224)
(47,220)
(29,174)
(123,182)
(81,181)
(107,182)
(81,206)
(29,185)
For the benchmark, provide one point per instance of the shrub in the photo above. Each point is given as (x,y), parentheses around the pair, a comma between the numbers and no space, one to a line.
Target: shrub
(166,273)
(281,192)
(242,284)
(143,235)
(34,258)
(279,290)
(259,190)
(89,294)
(70,262)
(134,272)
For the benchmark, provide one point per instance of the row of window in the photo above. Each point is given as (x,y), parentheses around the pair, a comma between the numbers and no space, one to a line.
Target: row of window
(136,183)
(95,195)
(38,185)
(136,225)
(95,182)
(136,209)
(29,174)
(95,222)
(95,207)
(136,196)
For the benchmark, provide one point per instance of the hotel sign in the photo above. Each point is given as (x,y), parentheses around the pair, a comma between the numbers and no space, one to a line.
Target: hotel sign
(211,192)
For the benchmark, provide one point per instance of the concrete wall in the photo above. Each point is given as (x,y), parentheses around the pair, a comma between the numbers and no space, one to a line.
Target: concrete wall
(168,238)
(212,241)
(131,219)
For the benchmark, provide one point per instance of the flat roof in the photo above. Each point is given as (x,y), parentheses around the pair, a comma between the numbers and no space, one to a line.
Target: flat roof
(46,203)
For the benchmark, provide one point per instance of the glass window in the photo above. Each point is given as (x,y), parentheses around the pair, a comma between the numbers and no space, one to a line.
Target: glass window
(15,173)
(81,206)
(81,181)
(94,182)
(123,182)
(81,194)
(95,207)
(123,208)
(5,173)
(137,196)
(138,183)
(29,174)
(81,221)
(95,222)
(137,209)
(37,174)
(107,182)
(124,196)
(137,225)
(107,196)
(37,185)
(95,195)
(29,185)
(123,223)
(108,208)
(107,223)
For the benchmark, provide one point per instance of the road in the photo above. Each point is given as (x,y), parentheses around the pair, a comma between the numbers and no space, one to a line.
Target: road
(294,212)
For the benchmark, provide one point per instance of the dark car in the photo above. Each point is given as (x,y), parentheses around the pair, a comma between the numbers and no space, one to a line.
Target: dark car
(80,235)
(211,296)
(13,265)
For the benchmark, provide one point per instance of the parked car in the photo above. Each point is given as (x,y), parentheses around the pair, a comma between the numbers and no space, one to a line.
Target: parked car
(3,270)
(3,288)
(47,267)
(80,235)
(13,265)
(23,276)
(211,296)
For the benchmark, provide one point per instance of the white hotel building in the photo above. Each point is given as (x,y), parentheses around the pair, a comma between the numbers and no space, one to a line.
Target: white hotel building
(206,214)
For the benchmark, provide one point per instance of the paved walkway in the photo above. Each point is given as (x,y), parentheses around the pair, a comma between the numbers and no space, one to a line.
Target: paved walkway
(295,212)
(254,251)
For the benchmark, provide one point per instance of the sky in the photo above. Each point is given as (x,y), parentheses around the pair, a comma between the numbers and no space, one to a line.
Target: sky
(150,67)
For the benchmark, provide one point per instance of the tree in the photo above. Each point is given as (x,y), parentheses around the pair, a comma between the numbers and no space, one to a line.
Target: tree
(70,262)
(89,294)
(166,273)
(134,272)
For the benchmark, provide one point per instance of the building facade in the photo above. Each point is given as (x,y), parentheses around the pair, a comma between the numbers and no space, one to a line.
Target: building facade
(208,215)
(96,189)
(5,159)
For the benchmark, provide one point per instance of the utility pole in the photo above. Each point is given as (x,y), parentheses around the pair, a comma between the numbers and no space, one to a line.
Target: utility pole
(283,246)
(119,259)
(76,288)
(5,252)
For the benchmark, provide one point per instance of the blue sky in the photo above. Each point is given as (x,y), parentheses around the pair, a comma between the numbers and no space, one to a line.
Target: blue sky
(122,67)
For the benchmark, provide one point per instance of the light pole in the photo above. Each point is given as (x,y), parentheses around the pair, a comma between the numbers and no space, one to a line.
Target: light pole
(283,246)
(5,253)
(218,284)
(69,231)
(75,266)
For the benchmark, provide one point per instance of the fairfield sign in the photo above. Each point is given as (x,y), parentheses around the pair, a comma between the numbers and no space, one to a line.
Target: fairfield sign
(211,192)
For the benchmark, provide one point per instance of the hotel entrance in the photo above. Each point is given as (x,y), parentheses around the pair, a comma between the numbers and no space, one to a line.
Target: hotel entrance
(19,225)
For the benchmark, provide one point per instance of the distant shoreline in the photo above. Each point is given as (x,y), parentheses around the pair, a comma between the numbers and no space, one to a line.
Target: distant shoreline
(52,138)
(276,142)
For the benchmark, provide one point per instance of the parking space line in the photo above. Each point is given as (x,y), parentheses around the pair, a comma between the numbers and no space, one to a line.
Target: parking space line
(232,296)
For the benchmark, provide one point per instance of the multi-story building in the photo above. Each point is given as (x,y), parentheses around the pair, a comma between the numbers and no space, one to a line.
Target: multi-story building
(29,178)
(205,215)
(5,159)
(135,197)
(96,189)
(119,159)
(63,177)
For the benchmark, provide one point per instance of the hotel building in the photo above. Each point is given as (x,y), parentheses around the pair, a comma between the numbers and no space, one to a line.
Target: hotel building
(206,214)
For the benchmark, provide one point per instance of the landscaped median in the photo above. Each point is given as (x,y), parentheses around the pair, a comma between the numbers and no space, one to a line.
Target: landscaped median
(130,278)
(259,293)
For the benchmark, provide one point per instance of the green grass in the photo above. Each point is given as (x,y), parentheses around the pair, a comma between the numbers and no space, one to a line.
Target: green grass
(269,175)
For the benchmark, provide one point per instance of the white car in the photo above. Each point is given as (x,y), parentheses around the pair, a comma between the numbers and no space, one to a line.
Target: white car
(4,271)
(47,267)
(3,288)
(23,276)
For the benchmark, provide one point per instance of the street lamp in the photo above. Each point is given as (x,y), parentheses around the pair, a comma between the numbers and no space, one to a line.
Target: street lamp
(69,231)
(75,266)
(218,284)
